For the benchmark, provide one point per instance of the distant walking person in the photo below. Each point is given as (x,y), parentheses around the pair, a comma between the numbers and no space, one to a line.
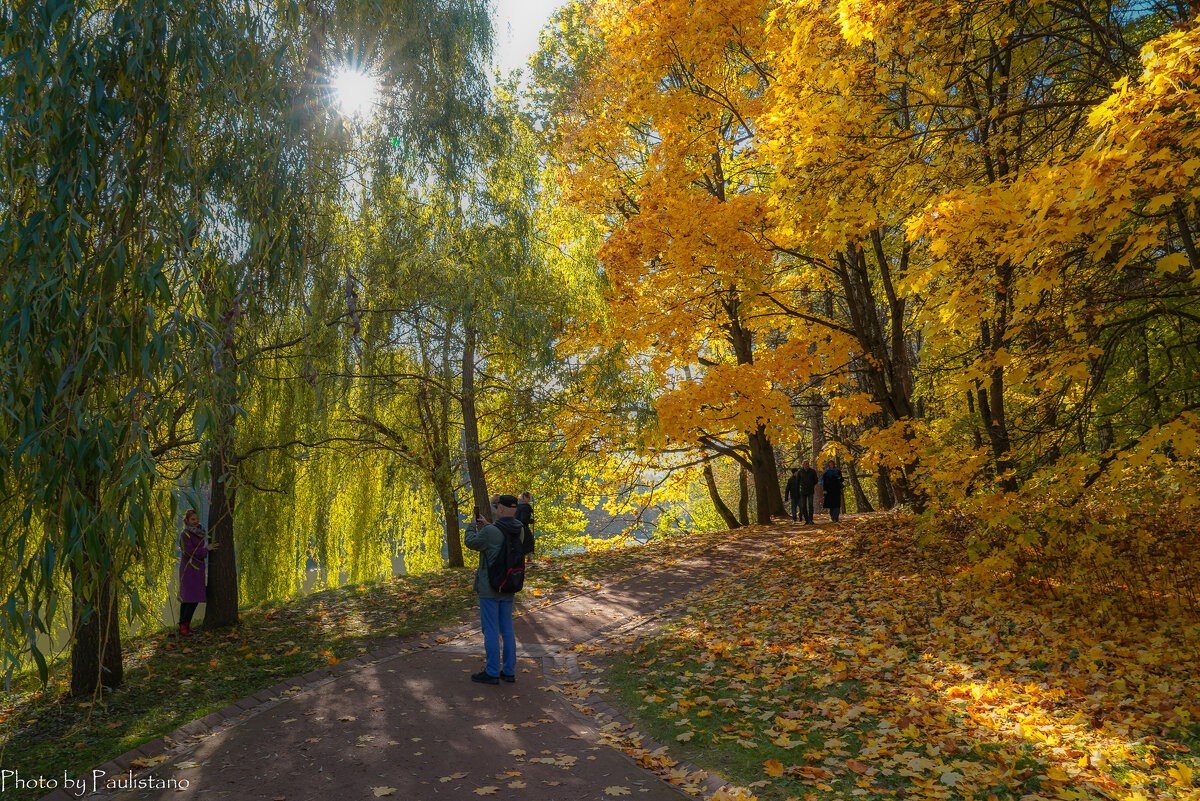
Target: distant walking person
(792,493)
(525,516)
(495,608)
(831,486)
(806,481)
(192,550)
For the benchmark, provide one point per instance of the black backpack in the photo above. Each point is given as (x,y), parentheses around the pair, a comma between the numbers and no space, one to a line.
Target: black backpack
(506,573)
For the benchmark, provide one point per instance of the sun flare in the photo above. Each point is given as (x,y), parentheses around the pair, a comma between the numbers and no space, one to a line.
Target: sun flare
(357,91)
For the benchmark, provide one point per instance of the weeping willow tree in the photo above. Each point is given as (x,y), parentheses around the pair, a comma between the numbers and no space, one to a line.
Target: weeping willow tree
(469,289)
(106,227)
(284,483)
(170,174)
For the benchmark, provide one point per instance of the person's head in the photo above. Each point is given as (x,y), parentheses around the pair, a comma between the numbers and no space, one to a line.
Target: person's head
(505,506)
(190,518)
(807,463)
(829,465)
(526,497)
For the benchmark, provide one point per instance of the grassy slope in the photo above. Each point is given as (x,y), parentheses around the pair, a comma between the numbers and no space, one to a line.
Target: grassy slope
(859,666)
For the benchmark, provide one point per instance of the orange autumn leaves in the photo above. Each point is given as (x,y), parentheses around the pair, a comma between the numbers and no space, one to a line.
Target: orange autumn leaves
(882,673)
(733,151)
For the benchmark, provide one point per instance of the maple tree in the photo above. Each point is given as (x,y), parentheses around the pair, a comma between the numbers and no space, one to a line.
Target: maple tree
(958,240)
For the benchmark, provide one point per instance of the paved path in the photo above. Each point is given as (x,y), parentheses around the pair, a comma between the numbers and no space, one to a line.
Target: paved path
(410,724)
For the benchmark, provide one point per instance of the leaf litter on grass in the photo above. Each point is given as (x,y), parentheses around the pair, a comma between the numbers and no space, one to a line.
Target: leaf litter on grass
(835,670)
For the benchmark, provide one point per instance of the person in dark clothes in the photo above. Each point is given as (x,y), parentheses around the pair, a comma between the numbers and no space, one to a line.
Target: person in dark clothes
(831,487)
(806,482)
(192,550)
(792,493)
(525,516)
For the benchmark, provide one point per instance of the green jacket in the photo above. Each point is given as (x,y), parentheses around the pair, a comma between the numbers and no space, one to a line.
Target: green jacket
(487,541)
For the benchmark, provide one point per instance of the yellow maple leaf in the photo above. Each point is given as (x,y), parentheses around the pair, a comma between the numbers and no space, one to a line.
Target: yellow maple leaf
(616,790)
(773,767)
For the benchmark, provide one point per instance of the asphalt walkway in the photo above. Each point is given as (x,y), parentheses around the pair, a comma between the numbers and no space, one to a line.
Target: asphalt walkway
(408,722)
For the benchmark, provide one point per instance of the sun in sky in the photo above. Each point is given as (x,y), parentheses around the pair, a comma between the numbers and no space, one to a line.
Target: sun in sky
(356,90)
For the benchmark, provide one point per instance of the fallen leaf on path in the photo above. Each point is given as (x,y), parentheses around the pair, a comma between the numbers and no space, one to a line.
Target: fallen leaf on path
(486,790)
(616,789)
(382,791)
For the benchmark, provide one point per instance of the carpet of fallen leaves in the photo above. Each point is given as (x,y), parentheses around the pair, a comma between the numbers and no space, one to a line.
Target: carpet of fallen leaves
(854,664)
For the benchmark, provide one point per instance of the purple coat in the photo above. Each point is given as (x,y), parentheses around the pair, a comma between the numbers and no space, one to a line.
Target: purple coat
(191,565)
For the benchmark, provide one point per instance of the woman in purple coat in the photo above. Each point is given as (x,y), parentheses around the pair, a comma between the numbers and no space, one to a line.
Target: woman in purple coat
(192,550)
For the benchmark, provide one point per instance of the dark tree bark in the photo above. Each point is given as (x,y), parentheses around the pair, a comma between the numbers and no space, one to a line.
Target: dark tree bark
(883,488)
(439,463)
(768,498)
(471,450)
(96,647)
(713,493)
(743,497)
(223,601)
(861,503)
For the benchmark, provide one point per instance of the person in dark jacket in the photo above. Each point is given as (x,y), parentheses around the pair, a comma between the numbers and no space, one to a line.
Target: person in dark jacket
(495,609)
(192,550)
(831,486)
(806,481)
(792,493)
(525,516)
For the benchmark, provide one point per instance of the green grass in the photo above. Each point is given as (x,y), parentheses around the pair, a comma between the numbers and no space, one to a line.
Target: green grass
(170,681)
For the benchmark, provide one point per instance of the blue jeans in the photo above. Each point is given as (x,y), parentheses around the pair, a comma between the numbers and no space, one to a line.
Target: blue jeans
(495,615)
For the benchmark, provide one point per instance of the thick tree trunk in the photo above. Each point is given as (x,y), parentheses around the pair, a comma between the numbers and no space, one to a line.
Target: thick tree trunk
(713,493)
(883,488)
(743,497)
(435,434)
(454,551)
(223,598)
(96,647)
(861,503)
(471,451)
(767,497)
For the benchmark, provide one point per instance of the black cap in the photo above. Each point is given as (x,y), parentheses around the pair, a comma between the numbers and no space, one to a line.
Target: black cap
(507,500)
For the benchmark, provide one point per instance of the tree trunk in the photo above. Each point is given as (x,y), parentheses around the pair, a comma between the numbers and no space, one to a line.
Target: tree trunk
(223,597)
(96,646)
(743,497)
(471,454)
(435,434)
(816,423)
(883,487)
(449,501)
(718,504)
(861,504)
